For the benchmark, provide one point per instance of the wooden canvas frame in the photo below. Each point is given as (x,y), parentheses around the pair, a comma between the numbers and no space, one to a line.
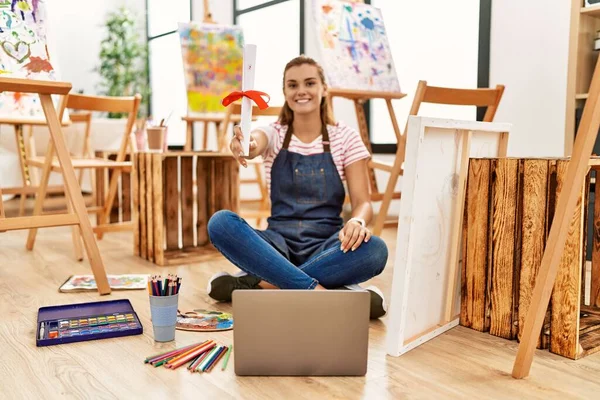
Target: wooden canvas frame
(455,141)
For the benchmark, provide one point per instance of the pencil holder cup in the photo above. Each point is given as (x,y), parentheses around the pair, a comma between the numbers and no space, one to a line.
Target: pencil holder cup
(156,137)
(163,311)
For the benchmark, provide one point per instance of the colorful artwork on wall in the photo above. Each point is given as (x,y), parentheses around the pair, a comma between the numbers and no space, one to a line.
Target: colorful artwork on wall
(23,54)
(212,61)
(354,46)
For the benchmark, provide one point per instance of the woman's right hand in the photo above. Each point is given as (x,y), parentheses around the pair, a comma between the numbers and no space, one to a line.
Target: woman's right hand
(236,145)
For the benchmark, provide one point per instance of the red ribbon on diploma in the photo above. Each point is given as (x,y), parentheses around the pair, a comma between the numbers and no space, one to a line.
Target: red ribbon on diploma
(253,95)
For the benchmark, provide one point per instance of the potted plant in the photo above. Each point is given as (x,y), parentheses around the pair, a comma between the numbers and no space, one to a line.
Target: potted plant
(123,59)
(123,67)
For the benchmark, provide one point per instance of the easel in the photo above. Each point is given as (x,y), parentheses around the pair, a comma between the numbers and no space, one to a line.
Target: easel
(359,98)
(205,119)
(24,151)
(565,207)
(77,210)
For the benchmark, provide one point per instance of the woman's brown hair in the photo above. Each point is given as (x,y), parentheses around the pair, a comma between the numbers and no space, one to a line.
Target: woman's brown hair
(286,116)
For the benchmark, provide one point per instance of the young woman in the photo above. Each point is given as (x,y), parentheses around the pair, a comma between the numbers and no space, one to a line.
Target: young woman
(307,245)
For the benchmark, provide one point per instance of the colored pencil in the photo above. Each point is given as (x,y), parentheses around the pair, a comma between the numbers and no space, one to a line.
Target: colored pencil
(148,359)
(229,350)
(169,286)
(203,364)
(170,356)
(221,354)
(212,357)
(195,364)
(176,363)
(191,350)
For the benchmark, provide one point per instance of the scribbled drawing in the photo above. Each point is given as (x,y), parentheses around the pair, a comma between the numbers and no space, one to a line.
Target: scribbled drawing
(354,46)
(117,282)
(212,60)
(23,54)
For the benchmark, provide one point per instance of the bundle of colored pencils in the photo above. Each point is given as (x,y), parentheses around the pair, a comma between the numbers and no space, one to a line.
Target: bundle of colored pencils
(202,357)
(167,287)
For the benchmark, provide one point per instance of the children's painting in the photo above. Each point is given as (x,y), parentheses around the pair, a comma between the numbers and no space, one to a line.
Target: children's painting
(84,283)
(212,62)
(354,46)
(201,320)
(23,54)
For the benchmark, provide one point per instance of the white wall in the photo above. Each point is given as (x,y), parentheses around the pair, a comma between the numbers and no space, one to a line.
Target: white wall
(528,54)
(76,33)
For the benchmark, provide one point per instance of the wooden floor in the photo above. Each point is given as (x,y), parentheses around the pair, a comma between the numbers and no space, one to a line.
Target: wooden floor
(461,363)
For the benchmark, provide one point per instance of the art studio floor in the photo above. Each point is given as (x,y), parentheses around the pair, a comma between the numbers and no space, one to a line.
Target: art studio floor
(461,363)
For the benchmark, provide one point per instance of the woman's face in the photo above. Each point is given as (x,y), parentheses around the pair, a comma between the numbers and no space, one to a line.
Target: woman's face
(303,89)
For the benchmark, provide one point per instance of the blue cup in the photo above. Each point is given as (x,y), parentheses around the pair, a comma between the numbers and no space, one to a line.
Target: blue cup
(163,311)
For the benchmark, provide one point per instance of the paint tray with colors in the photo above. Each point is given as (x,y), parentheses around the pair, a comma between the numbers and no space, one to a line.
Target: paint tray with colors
(86,321)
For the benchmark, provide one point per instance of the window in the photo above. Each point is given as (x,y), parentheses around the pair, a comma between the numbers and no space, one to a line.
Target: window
(166,67)
(443,51)
(276,32)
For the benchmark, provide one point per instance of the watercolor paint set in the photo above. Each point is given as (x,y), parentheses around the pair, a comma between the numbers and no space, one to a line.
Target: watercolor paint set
(86,321)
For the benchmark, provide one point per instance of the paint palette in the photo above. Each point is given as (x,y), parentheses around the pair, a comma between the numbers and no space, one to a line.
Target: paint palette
(86,321)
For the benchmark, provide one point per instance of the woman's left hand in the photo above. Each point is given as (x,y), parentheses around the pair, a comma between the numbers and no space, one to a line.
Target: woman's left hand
(352,235)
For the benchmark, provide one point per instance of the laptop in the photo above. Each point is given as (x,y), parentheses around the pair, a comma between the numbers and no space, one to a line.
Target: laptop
(301,332)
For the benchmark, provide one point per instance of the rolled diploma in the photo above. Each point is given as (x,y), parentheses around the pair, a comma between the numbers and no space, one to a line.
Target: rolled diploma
(247,84)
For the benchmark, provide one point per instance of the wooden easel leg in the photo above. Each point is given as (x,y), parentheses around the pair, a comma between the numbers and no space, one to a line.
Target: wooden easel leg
(205,138)
(21,151)
(188,136)
(565,207)
(74,195)
(75,235)
(394,174)
(41,193)
(2,216)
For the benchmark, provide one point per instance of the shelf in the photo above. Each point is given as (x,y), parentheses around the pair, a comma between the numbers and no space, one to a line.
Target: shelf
(581,96)
(592,11)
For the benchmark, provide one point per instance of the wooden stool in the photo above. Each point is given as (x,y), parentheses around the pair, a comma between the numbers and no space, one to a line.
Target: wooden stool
(206,119)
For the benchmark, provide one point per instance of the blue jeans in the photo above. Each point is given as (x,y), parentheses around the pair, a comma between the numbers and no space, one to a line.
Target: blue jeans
(249,251)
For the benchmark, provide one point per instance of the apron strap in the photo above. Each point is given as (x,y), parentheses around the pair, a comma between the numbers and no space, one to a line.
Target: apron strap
(324,134)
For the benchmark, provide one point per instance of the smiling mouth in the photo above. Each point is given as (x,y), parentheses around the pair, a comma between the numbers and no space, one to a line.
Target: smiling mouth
(302,101)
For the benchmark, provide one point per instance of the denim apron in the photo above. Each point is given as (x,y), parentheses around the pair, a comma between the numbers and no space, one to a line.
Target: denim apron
(307,196)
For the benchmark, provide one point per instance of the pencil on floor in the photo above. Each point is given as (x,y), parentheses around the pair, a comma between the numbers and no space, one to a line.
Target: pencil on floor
(204,363)
(229,350)
(166,353)
(225,349)
(193,367)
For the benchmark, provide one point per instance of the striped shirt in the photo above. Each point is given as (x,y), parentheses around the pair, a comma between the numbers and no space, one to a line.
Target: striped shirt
(345,144)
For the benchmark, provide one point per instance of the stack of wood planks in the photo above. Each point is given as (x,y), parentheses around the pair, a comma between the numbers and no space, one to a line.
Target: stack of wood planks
(509,207)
